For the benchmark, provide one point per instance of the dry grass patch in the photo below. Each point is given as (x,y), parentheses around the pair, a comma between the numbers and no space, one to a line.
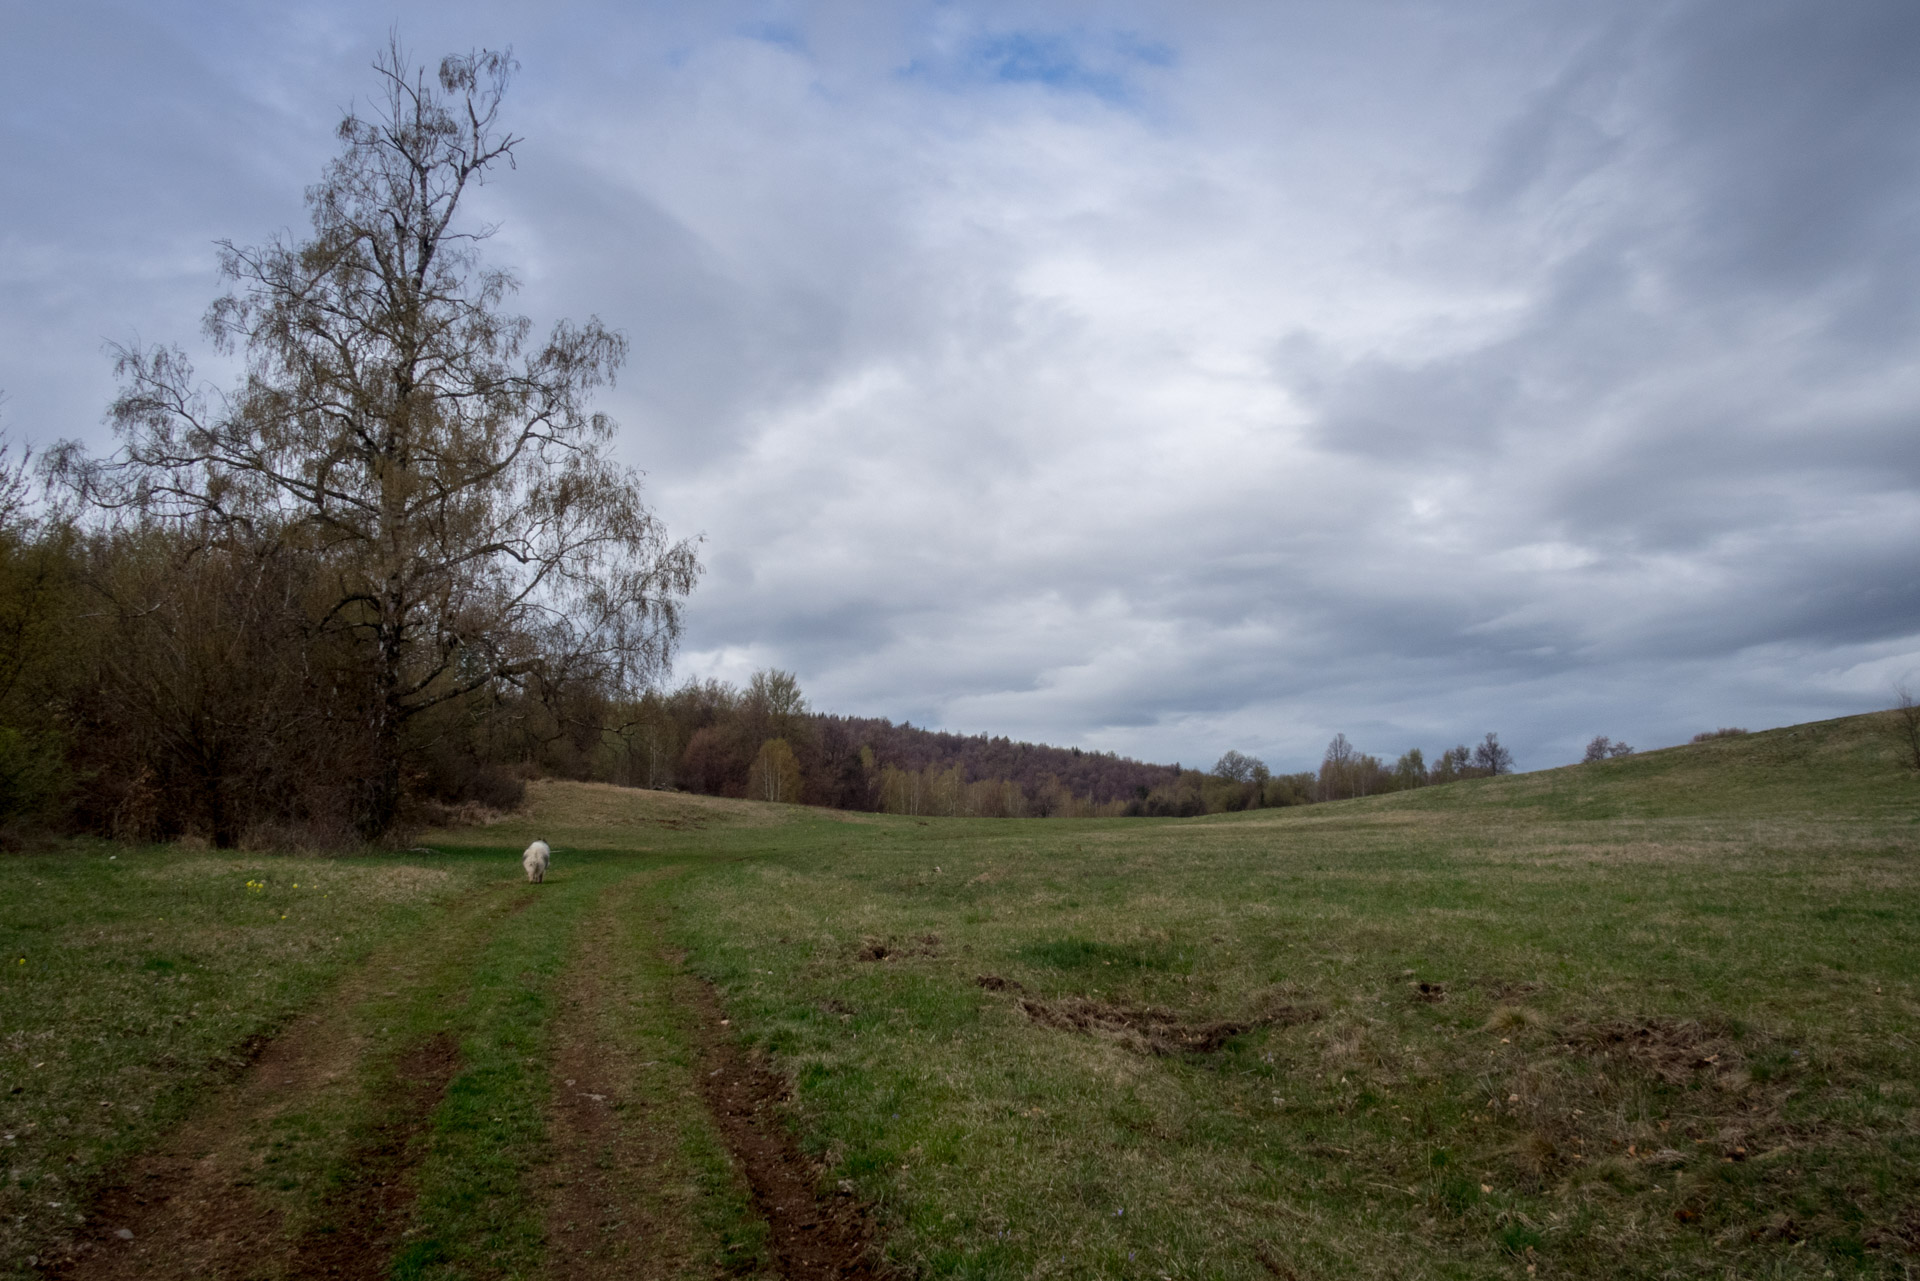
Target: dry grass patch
(602,816)
(1153,1029)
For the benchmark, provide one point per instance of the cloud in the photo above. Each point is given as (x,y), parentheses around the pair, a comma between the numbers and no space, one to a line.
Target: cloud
(1145,377)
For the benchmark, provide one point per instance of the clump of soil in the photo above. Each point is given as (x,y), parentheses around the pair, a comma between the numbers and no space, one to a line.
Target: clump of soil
(1431,993)
(1675,1050)
(994,983)
(1154,1030)
(892,948)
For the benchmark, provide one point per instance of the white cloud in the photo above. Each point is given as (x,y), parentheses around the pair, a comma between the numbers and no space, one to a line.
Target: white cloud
(1169,381)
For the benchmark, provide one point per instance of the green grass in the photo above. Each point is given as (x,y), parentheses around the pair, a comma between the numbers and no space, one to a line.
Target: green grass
(1653,1017)
(133,979)
(479,1211)
(1595,935)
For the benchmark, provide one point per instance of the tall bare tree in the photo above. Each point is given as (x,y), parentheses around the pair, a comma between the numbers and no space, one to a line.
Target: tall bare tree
(400,427)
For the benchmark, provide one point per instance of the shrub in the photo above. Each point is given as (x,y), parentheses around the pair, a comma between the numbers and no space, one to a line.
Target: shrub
(1603,748)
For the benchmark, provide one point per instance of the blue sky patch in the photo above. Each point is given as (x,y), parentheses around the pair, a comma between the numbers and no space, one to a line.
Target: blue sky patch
(1069,63)
(783,34)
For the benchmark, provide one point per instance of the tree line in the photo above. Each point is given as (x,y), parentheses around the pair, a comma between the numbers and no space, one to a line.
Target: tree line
(1240,782)
(158,681)
(764,742)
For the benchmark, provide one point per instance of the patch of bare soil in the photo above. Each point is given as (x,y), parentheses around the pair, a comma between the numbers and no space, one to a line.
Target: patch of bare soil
(188,1208)
(1658,1094)
(1154,1030)
(360,1222)
(815,1236)
(1677,1051)
(184,1211)
(893,948)
(1270,1260)
(604,1217)
(1505,991)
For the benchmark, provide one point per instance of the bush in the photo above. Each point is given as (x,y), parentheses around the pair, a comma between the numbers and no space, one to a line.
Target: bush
(1905,726)
(1706,736)
(1603,748)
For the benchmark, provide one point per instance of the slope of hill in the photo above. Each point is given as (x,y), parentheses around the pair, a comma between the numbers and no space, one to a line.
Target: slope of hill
(1851,765)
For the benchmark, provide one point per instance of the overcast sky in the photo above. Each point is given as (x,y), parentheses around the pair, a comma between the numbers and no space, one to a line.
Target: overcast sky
(1161,378)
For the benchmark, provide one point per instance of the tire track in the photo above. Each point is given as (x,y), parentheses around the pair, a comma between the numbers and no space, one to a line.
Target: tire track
(610,1212)
(620,1204)
(190,1208)
(360,1221)
(815,1236)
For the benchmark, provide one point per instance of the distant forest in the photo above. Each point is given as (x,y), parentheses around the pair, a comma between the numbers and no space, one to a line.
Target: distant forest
(763,742)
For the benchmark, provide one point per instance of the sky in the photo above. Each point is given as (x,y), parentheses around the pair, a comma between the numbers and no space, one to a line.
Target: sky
(1150,378)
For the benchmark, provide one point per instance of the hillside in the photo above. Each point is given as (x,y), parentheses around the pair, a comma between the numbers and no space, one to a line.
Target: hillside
(1850,766)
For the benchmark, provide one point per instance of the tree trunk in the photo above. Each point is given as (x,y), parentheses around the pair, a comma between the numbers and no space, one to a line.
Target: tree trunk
(381,809)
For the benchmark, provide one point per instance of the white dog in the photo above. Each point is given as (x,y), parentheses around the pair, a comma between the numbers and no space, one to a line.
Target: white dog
(535,860)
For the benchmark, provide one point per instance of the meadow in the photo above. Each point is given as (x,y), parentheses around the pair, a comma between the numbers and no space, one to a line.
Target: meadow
(1653,1017)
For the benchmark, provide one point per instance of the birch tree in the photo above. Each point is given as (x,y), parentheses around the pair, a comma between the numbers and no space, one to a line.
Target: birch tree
(436,461)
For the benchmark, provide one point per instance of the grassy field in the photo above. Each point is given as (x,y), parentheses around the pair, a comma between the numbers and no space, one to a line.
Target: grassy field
(1649,1018)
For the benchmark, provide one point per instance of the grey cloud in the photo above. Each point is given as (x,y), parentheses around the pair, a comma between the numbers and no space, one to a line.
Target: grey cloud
(1795,123)
(1147,377)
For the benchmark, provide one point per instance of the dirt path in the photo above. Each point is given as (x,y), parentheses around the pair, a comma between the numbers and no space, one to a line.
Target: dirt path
(634,1037)
(191,1208)
(610,1210)
(666,1135)
(360,1221)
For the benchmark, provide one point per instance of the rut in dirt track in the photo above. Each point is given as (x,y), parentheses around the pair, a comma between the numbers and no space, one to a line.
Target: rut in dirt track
(361,1221)
(815,1237)
(189,1208)
(609,1212)
(611,1209)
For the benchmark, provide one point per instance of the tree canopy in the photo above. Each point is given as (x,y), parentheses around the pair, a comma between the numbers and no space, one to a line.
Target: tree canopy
(451,500)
